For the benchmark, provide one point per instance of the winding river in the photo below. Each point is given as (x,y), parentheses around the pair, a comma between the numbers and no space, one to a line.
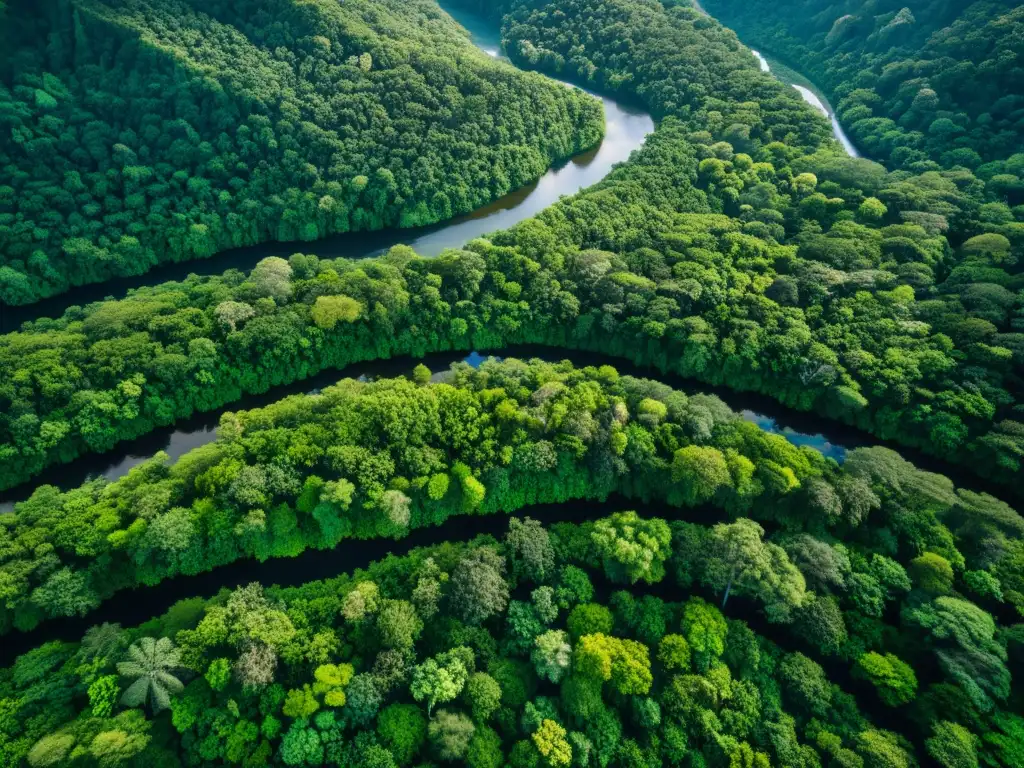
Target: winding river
(808,90)
(626,128)
(799,428)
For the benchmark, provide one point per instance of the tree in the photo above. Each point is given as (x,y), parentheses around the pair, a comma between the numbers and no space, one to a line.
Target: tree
(589,619)
(484,696)
(550,740)
(952,746)
(218,674)
(932,573)
(882,749)
(301,745)
(485,749)
(103,695)
(331,680)
(821,622)
(740,559)
(398,624)
(543,601)
(450,734)
(52,749)
(300,703)
(805,684)
(531,555)
(894,680)
(150,662)
(871,211)
(633,549)
(705,629)
(552,655)
(625,663)
(403,729)
(478,588)
(231,313)
(362,700)
(256,665)
(438,680)
(701,471)
(963,637)
(674,653)
(421,374)
(328,311)
(361,601)
(272,277)
(66,593)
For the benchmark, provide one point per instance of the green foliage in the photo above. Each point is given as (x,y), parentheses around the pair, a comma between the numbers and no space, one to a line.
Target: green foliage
(708,691)
(218,674)
(450,734)
(704,630)
(403,730)
(625,663)
(484,694)
(438,680)
(150,663)
(552,744)
(674,653)
(245,148)
(953,746)
(893,679)
(104,693)
(633,549)
(300,703)
(477,588)
(589,619)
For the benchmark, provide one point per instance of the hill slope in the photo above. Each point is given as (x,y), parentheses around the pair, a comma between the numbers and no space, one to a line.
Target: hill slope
(144,131)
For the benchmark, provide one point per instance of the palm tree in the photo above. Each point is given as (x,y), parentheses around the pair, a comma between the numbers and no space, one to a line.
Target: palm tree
(149,662)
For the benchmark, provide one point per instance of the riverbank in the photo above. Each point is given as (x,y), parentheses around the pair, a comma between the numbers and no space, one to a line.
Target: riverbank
(626,129)
(813,95)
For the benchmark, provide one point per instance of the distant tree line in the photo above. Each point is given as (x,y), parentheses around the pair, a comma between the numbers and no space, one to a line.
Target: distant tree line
(914,81)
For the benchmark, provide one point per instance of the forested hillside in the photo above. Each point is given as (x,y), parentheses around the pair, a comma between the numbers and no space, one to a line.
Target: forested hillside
(912,80)
(763,606)
(824,281)
(134,132)
(876,571)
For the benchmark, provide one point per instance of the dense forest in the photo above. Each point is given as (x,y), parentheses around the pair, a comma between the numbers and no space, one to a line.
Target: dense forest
(374,460)
(748,604)
(845,316)
(548,647)
(147,131)
(912,80)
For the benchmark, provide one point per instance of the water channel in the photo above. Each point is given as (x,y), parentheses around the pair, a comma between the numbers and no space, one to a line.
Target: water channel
(626,128)
(200,429)
(808,90)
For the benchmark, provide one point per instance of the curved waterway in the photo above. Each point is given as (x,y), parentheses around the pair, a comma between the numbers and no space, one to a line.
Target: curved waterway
(801,429)
(810,92)
(626,128)
(831,439)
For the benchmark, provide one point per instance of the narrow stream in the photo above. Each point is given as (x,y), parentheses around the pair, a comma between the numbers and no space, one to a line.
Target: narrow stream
(810,93)
(626,128)
(200,429)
